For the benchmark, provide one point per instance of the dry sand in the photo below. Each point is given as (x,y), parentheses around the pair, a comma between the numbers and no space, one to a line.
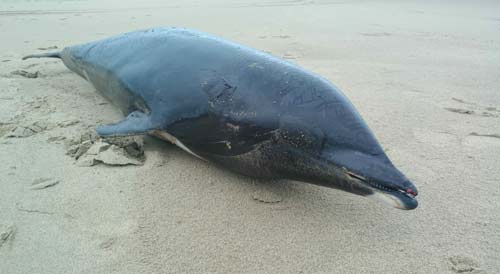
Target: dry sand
(425,76)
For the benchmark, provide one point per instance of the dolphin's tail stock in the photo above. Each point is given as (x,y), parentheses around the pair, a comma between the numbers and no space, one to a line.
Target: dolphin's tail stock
(44,55)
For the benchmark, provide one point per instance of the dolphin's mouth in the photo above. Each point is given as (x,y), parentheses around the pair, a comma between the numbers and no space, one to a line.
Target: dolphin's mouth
(402,198)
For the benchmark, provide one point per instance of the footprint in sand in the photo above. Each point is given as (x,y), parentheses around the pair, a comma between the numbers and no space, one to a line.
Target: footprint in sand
(437,139)
(482,140)
(26,74)
(292,55)
(5,128)
(282,36)
(42,183)
(23,131)
(7,234)
(376,34)
(266,196)
(48,48)
(269,192)
(470,108)
(462,264)
(107,244)
(460,110)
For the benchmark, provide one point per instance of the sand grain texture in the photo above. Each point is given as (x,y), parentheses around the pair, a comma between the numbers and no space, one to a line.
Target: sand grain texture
(424,75)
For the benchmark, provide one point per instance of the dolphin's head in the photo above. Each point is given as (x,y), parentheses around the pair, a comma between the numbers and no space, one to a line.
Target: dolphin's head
(354,171)
(344,153)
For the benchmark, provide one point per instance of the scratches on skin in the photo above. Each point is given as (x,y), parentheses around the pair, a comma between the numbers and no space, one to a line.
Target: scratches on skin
(228,91)
(218,89)
(234,127)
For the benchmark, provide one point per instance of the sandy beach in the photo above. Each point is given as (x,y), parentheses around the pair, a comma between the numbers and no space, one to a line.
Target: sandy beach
(424,75)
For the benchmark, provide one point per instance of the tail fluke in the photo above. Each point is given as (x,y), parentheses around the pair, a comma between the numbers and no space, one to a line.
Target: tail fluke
(44,55)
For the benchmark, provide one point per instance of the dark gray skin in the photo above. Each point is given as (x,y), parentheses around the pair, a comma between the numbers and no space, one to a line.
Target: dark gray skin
(243,109)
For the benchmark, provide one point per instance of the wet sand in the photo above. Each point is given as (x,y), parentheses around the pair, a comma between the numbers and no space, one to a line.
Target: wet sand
(425,77)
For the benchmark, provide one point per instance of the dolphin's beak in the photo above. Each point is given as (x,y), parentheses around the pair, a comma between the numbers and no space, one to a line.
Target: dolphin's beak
(398,199)
(402,197)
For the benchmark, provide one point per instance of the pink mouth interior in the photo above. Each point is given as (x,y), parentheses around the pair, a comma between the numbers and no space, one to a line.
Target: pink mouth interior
(411,192)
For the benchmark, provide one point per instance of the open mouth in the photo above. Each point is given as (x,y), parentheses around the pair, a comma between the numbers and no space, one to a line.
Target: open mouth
(397,197)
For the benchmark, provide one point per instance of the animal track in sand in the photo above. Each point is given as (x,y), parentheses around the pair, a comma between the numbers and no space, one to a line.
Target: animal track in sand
(265,196)
(7,234)
(459,110)
(292,55)
(6,127)
(462,264)
(474,109)
(42,183)
(437,139)
(26,74)
(107,244)
(48,48)
(38,103)
(376,34)
(473,112)
(269,192)
(23,131)
(22,208)
(282,36)
(482,140)
(30,120)
(286,3)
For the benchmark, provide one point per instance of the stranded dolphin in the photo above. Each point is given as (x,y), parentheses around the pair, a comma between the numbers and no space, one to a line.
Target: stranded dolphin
(243,109)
